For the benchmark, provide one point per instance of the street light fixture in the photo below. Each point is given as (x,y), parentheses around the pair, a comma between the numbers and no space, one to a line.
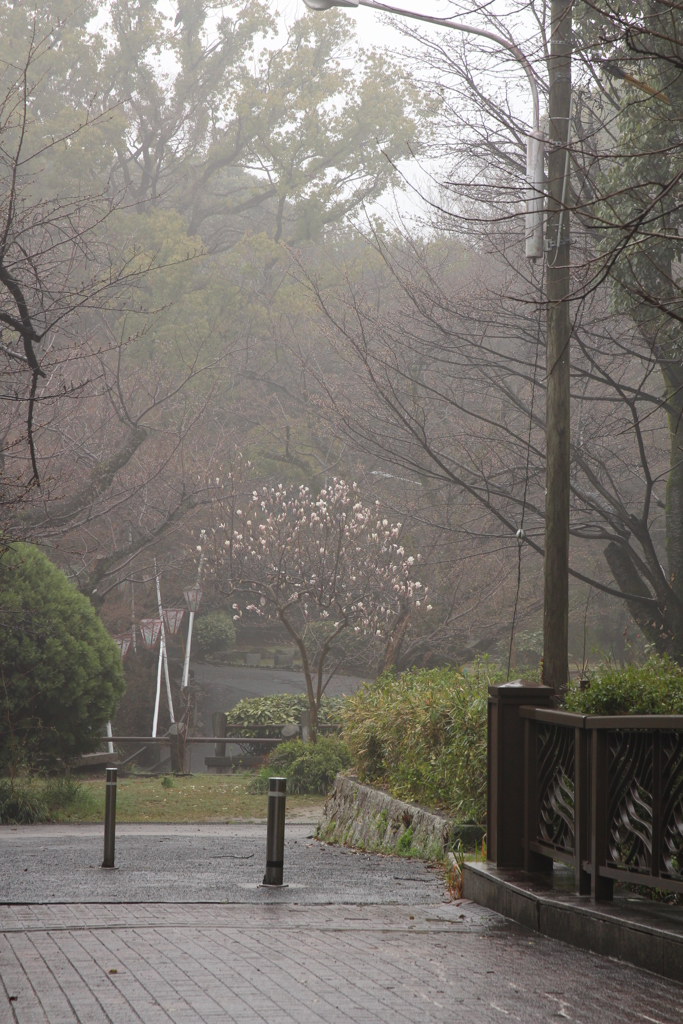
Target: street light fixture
(149,632)
(535,148)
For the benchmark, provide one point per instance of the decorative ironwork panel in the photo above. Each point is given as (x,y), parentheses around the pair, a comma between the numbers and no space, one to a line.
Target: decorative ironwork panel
(672,805)
(629,835)
(556,787)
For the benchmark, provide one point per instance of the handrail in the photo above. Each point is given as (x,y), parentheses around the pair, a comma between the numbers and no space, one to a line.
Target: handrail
(553,716)
(634,721)
(578,721)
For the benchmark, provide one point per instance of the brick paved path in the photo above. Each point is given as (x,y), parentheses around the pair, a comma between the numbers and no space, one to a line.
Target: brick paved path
(288,965)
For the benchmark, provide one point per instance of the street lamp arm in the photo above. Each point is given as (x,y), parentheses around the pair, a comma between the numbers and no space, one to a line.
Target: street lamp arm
(535,147)
(460,26)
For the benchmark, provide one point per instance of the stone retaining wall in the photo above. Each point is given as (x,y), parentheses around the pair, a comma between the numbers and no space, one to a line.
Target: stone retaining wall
(370,819)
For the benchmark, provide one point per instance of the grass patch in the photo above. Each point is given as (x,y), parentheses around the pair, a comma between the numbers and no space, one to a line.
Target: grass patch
(404,846)
(30,801)
(20,804)
(194,798)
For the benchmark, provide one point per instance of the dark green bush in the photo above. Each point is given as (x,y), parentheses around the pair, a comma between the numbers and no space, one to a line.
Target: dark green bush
(655,688)
(422,735)
(282,707)
(308,767)
(213,634)
(60,672)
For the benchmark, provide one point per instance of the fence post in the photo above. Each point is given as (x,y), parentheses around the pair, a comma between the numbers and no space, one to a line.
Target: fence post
(177,740)
(275,836)
(601,888)
(110,819)
(220,728)
(505,768)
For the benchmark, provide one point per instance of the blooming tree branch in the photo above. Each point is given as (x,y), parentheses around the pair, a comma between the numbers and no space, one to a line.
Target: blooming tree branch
(320,564)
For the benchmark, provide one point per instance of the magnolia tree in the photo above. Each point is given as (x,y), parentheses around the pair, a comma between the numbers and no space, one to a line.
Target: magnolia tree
(321,565)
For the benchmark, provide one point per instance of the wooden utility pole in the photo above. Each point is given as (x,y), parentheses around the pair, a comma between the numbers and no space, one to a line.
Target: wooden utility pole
(556,566)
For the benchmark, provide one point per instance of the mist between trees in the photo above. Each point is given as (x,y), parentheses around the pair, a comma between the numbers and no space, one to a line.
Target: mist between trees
(203,294)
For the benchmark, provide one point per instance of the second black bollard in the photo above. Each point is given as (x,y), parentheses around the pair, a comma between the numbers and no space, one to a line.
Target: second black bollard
(110,819)
(275,837)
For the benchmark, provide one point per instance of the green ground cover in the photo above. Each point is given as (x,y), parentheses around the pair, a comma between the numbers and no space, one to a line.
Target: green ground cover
(194,798)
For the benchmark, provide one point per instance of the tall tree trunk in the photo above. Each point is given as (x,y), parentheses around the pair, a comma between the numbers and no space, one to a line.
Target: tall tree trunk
(673,379)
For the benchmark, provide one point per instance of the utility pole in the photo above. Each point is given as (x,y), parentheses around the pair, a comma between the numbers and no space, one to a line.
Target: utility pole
(556,566)
(558,331)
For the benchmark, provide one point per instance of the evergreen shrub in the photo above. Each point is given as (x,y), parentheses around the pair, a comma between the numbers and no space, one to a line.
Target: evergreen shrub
(213,635)
(655,688)
(308,767)
(422,736)
(283,707)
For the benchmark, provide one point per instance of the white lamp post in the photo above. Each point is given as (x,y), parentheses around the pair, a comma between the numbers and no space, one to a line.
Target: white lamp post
(534,144)
(150,630)
(193,598)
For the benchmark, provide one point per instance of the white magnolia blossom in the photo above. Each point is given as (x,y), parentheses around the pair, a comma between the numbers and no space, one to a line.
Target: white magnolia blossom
(334,558)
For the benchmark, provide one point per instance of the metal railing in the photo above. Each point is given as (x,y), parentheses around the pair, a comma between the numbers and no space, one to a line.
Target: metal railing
(604,794)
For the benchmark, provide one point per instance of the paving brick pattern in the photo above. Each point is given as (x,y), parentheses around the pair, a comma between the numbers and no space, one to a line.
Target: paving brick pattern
(289,964)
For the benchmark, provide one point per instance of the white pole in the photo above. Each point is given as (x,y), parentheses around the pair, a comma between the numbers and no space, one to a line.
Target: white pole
(163,653)
(132,596)
(132,614)
(110,744)
(156,702)
(186,666)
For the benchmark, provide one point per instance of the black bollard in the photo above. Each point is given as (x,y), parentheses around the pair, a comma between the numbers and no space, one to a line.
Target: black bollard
(275,839)
(110,819)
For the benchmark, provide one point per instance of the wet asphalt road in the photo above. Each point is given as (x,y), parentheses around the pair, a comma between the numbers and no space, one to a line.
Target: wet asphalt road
(195,863)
